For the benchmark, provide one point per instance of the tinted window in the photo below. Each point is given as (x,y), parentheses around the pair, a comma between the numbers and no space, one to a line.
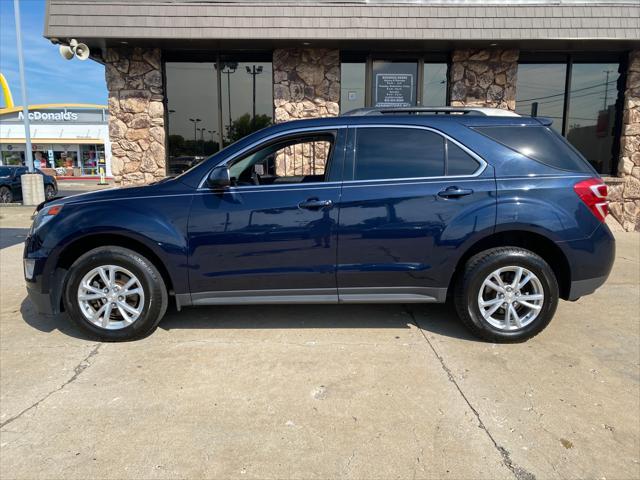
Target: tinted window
(352,85)
(460,162)
(434,85)
(592,112)
(540,91)
(538,143)
(398,153)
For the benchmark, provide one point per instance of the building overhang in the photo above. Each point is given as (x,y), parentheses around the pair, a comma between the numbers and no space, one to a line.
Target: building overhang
(350,25)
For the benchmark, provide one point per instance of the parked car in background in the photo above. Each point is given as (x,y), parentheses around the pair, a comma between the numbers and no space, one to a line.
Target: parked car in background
(494,211)
(11,186)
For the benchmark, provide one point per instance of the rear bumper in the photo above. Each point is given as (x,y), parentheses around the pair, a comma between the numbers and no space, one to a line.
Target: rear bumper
(590,261)
(580,288)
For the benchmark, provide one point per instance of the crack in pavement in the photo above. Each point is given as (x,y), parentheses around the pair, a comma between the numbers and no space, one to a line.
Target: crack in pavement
(519,472)
(77,370)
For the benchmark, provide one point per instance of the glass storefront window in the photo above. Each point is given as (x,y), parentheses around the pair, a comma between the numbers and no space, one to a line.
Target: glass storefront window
(12,157)
(540,91)
(434,85)
(247,98)
(91,159)
(394,83)
(192,106)
(213,103)
(586,114)
(352,85)
(367,81)
(592,111)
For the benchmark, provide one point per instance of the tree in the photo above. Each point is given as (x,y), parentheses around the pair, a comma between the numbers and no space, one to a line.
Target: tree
(244,125)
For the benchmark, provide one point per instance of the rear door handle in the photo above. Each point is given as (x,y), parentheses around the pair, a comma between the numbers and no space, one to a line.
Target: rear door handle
(454,192)
(315,204)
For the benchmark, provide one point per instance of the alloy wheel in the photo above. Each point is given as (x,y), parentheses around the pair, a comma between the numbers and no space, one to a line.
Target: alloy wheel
(111,297)
(510,298)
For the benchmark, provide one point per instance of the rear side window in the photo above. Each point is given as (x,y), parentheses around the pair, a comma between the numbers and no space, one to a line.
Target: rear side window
(460,162)
(398,153)
(540,144)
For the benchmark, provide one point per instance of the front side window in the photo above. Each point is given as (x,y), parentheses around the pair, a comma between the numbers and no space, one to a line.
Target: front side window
(295,160)
(398,153)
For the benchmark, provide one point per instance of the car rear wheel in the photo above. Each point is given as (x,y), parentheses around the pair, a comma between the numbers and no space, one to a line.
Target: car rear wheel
(115,294)
(506,294)
(49,192)
(5,195)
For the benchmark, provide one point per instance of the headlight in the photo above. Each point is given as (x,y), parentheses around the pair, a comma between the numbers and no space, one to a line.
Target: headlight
(29,264)
(45,215)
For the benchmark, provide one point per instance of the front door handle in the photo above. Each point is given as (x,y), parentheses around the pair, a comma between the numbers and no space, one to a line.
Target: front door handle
(315,204)
(454,192)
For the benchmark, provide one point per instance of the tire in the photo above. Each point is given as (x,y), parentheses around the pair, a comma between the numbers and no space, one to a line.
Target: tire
(49,192)
(151,301)
(497,327)
(6,196)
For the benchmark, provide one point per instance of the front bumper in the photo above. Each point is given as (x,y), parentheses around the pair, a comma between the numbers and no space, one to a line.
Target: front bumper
(44,287)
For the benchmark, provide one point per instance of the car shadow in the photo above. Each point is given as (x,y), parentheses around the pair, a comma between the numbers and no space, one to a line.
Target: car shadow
(12,236)
(434,318)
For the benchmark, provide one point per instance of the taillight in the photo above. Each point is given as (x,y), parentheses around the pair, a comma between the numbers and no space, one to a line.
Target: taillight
(593,192)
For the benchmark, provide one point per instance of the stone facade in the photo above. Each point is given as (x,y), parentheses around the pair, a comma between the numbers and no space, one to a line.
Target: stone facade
(484,78)
(306,84)
(136,114)
(624,194)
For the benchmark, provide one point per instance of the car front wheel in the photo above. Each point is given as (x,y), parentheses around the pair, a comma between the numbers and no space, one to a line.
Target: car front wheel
(506,294)
(5,195)
(115,294)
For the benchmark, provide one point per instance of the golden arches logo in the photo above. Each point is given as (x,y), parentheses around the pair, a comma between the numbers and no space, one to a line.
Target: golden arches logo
(6,92)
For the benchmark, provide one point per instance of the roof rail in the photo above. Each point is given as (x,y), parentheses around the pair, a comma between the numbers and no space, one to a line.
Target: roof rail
(484,111)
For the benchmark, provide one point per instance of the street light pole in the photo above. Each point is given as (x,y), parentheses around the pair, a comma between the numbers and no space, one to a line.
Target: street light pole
(253,71)
(228,69)
(195,122)
(28,154)
(202,130)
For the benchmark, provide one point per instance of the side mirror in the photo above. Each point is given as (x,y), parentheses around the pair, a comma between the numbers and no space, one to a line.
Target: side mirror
(219,178)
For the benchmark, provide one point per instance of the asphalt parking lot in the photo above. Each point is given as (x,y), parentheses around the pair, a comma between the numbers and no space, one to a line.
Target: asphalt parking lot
(358,391)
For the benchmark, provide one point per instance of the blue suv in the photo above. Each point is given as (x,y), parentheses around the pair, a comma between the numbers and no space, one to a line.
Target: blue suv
(494,211)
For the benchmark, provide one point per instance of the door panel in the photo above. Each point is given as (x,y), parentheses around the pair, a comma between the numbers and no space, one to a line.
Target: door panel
(405,234)
(261,239)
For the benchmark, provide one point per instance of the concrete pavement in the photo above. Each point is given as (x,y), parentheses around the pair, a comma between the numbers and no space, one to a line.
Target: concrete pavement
(358,391)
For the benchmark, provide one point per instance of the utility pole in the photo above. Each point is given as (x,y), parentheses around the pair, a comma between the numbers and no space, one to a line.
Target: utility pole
(606,88)
(28,153)
(32,183)
(254,71)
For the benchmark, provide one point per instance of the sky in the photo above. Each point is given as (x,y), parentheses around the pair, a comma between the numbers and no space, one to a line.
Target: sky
(50,78)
